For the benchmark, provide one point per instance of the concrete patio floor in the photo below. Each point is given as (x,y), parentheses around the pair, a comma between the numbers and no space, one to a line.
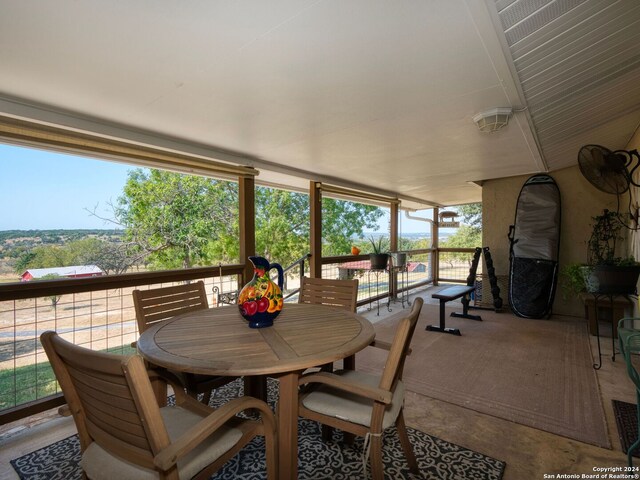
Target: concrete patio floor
(528,452)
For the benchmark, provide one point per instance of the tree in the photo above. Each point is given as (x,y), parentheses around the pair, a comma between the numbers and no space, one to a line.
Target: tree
(111,256)
(282,224)
(54,298)
(471,215)
(469,235)
(343,220)
(24,261)
(173,218)
(465,237)
(179,221)
(44,256)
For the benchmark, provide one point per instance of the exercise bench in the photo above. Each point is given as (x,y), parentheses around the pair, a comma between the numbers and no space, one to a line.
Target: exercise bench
(446,295)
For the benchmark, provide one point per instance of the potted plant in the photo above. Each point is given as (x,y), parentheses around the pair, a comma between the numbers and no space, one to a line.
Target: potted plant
(575,279)
(379,258)
(609,273)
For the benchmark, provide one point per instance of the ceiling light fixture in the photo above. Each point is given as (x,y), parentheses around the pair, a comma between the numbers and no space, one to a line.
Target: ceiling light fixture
(493,119)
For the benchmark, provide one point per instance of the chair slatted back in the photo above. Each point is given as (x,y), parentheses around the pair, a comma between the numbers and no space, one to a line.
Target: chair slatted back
(334,293)
(400,347)
(111,400)
(159,304)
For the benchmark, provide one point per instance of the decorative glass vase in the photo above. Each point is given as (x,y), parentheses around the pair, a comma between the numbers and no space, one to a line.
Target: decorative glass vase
(260,301)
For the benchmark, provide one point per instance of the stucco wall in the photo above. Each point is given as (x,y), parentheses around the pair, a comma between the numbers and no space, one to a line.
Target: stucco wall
(580,202)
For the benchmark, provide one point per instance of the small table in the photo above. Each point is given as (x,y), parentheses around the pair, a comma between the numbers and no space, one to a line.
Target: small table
(403,288)
(377,272)
(621,304)
(217,341)
(611,300)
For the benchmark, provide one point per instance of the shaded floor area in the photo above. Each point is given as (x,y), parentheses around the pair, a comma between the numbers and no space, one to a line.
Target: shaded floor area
(529,453)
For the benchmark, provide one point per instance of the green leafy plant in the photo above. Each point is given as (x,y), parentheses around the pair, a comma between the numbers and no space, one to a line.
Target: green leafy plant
(605,237)
(379,245)
(573,279)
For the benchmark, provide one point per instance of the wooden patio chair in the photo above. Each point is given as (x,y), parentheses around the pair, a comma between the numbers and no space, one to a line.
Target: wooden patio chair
(364,404)
(333,293)
(161,304)
(125,434)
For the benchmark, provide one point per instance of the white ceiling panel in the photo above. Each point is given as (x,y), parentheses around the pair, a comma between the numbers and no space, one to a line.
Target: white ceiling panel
(578,64)
(369,93)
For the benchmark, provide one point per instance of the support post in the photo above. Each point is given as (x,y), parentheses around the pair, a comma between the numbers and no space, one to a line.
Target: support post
(435,254)
(393,246)
(247,220)
(393,226)
(315,232)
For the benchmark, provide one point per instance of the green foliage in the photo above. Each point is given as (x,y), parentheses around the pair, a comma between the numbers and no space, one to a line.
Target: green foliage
(605,237)
(572,279)
(112,257)
(465,237)
(471,215)
(46,256)
(282,225)
(31,382)
(172,218)
(24,261)
(379,245)
(342,221)
(175,221)
(406,244)
(54,298)
(56,235)
(469,235)
(181,221)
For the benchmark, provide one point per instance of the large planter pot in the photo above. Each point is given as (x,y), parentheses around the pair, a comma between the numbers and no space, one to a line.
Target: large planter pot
(379,261)
(399,259)
(612,279)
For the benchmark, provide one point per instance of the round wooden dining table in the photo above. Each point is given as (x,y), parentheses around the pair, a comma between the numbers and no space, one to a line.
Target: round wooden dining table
(218,341)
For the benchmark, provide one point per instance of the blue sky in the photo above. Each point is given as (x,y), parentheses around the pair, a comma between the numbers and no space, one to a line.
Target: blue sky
(45,190)
(42,190)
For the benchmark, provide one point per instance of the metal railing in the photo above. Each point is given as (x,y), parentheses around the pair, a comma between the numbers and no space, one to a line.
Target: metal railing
(454,264)
(98,313)
(375,285)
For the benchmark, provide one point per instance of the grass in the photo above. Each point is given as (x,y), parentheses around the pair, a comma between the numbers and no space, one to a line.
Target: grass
(32,382)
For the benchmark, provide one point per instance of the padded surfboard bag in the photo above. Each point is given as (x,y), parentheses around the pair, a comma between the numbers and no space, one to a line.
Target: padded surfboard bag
(534,244)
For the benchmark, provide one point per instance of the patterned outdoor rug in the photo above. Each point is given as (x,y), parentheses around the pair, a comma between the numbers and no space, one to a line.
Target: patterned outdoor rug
(627,422)
(316,460)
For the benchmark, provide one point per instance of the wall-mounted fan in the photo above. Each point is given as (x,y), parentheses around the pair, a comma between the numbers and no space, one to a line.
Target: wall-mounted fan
(606,170)
(609,171)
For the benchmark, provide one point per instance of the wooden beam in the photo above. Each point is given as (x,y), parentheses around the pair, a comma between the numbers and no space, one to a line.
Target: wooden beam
(315,233)
(247,218)
(435,254)
(393,227)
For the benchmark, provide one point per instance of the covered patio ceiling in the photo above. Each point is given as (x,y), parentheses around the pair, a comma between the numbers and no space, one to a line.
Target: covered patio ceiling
(366,94)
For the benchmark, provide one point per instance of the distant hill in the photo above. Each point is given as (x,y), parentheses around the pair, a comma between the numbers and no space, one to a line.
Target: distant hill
(13,243)
(53,236)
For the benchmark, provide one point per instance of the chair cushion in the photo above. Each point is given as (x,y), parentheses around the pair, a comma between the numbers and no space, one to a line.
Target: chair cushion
(100,464)
(351,407)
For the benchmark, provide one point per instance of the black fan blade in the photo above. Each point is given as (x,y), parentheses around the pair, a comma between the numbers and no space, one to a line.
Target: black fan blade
(604,169)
